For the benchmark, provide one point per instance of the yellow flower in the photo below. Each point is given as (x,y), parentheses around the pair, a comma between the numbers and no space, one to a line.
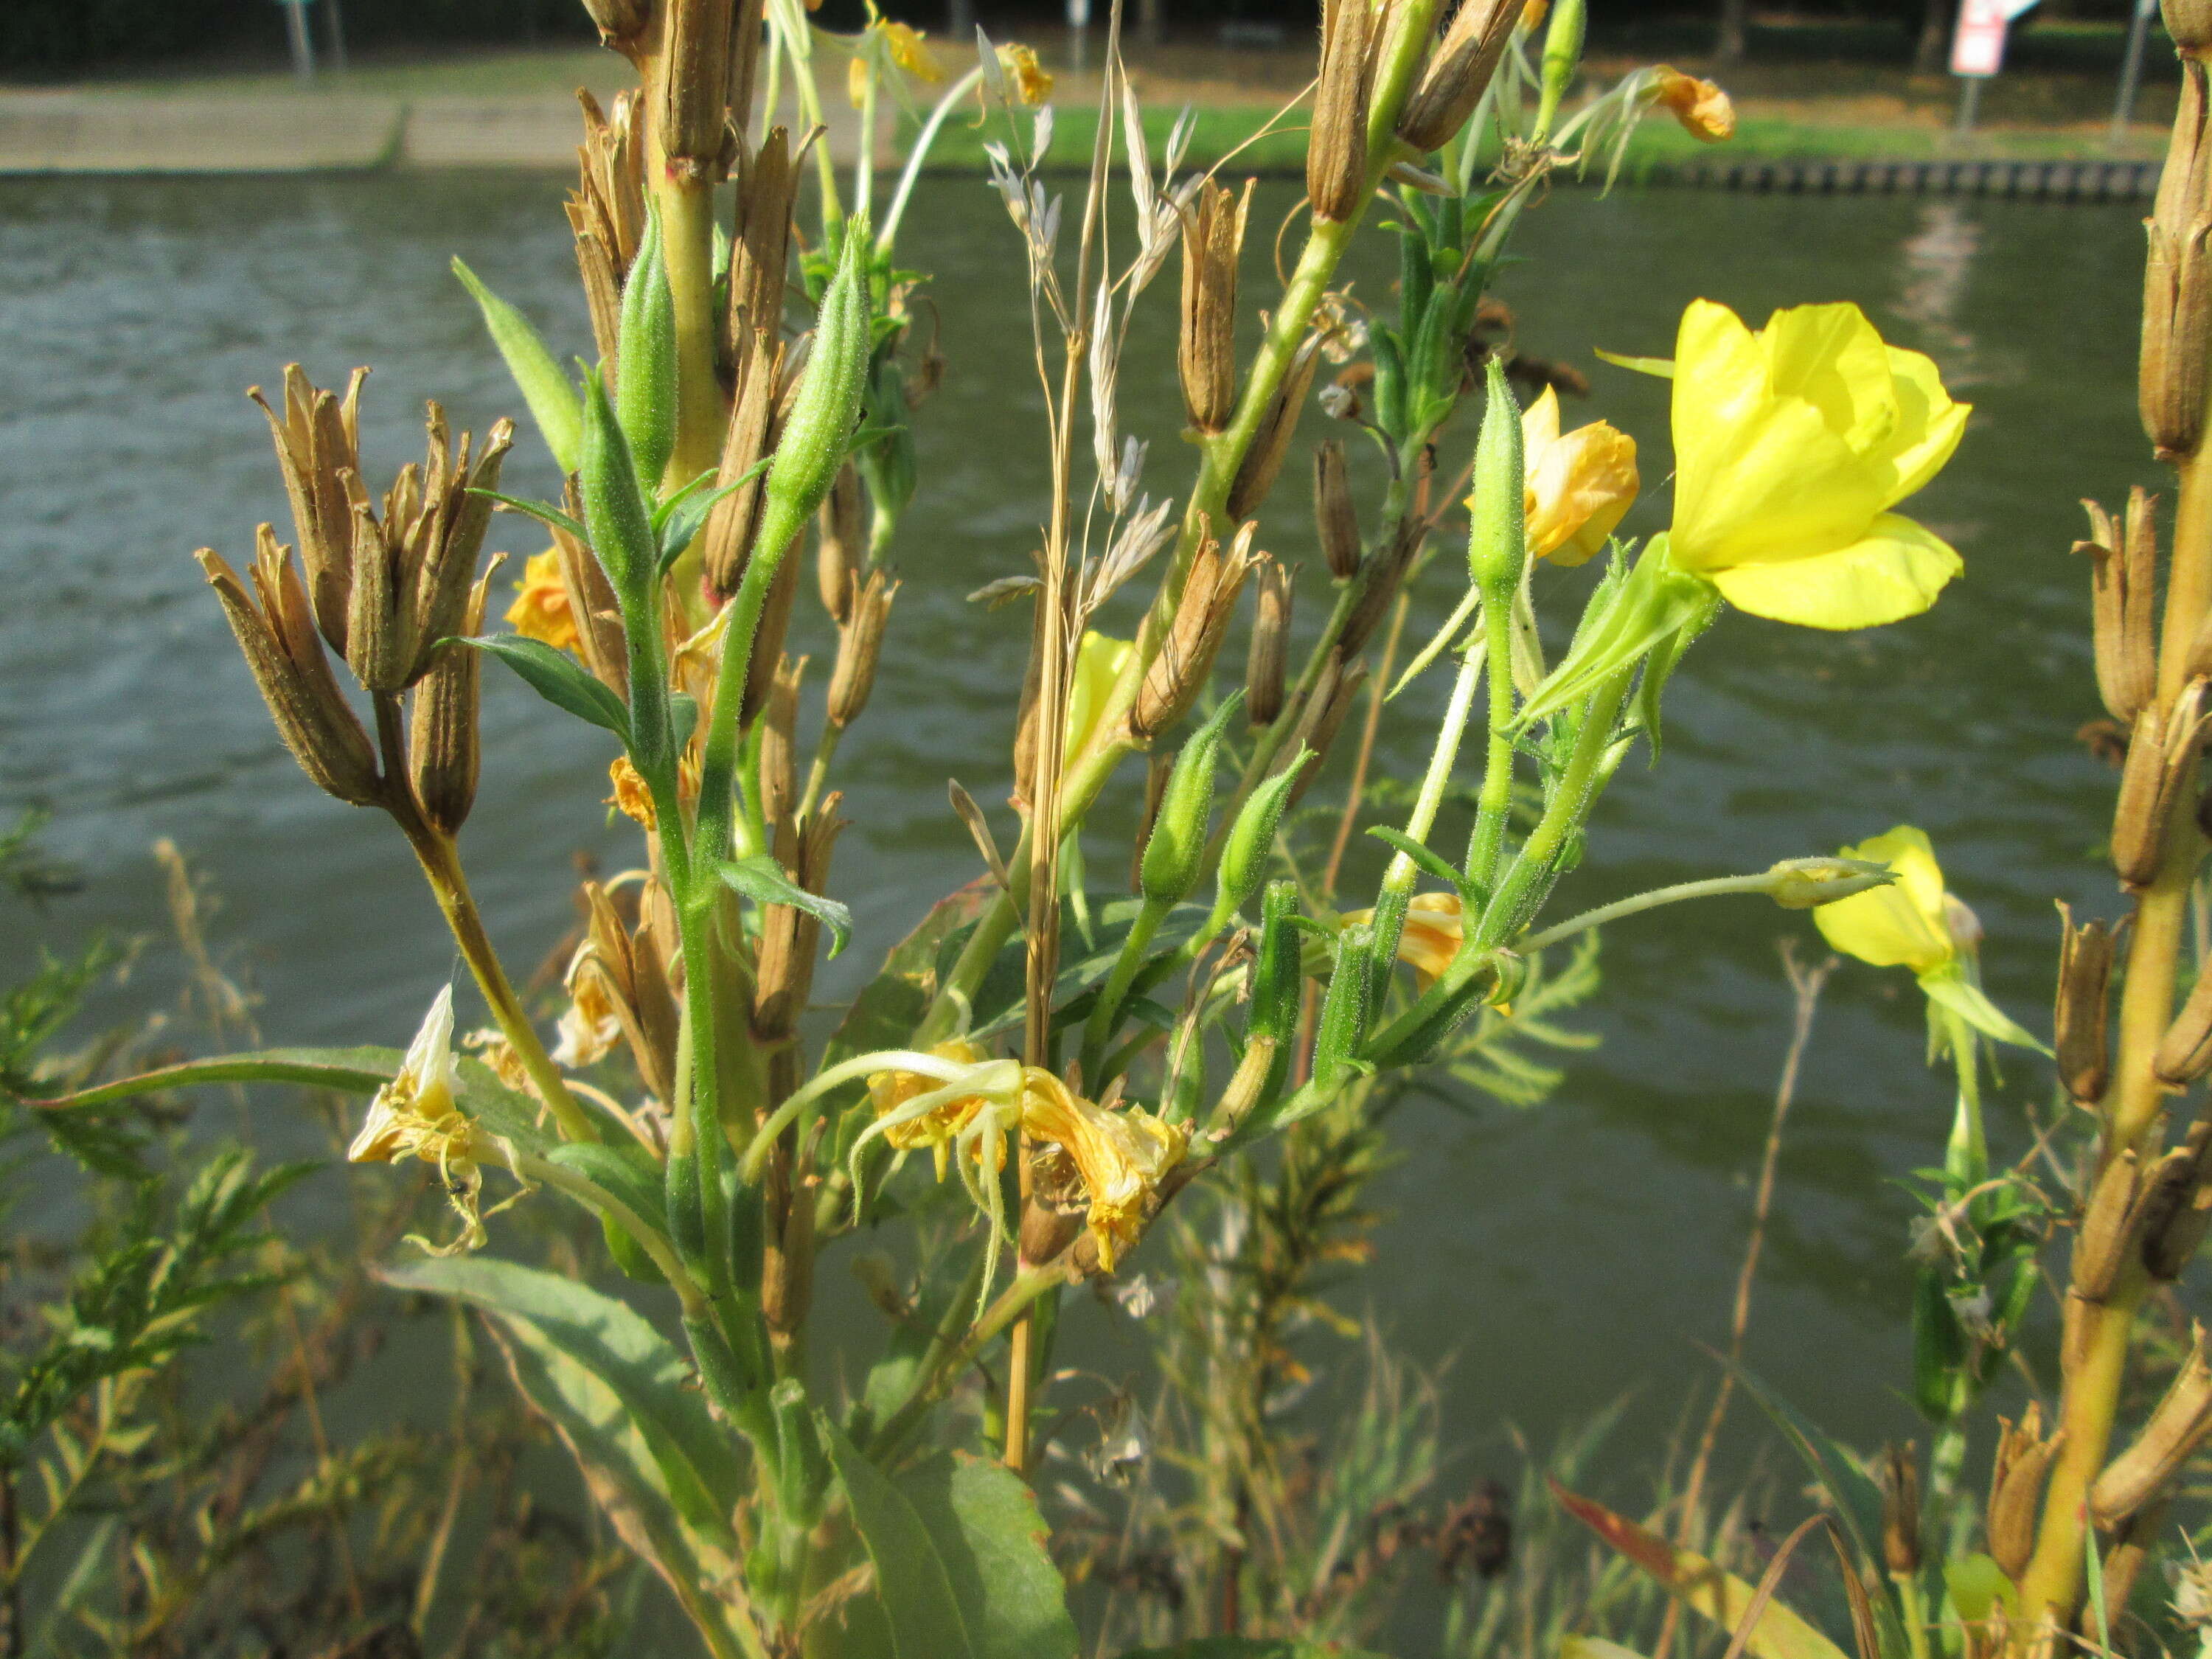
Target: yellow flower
(1907,924)
(1431,936)
(1119,1155)
(491,1046)
(901,44)
(1790,446)
(1580,484)
(1703,108)
(1024,74)
(416,1114)
(1532,15)
(541,611)
(631,798)
(590,1026)
(1098,663)
(939,1124)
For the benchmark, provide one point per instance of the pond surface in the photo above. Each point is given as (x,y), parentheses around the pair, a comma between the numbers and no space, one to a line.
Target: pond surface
(1558,1256)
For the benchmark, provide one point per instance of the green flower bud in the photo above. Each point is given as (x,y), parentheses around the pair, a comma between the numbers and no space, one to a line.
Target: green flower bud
(1176,850)
(819,429)
(1804,884)
(1343,1023)
(1497,543)
(1252,838)
(645,360)
(1278,967)
(616,515)
(1562,55)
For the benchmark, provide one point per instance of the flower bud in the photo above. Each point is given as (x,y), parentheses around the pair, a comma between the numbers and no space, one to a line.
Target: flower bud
(1342,1026)
(2176,366)
(2177,1428)
(275,630)
(839,554)
(2124,588)
(2080,1015)
(1336,151)
(1174,852)
(1251,840)
(858,646)
(616,515)
(442,746)
(1277,968)
(2023,1460)
(1458,72)
(2161,756)
(1807,883)
(826,406)
(645,382)
(1496,548)
(1335,519)
(1202,623)
(1213,239)
(1266,664)
(1279,422)
(1900,1510)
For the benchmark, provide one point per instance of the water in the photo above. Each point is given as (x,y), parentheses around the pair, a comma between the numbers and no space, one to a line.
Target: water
(1558,1256)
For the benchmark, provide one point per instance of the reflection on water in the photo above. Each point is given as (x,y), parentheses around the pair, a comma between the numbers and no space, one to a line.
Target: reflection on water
(1561,1255)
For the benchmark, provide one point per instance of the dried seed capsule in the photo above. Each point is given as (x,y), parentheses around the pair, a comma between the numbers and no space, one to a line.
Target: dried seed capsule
(2190,23)
(1458,72)
(839,553)
(1266,665)
(442,746)
(1213,239)
(2023,1461)
(620,21)
(2177,1428)
(2125,625)
(2161,756)
(768,643)
(1336,153)
(318,438)
(1339,684)
(859,648)
(2176,368)
(1335,519)
(2081,1014)
(1279,422)
(2178,1209)
(1900,1510)
(1380,578)
(695,87)
(779,751)
(785,976)
(2108,1233)
(2185,1054)
(277,634)
(1202,623)
(761,250)
(731,527)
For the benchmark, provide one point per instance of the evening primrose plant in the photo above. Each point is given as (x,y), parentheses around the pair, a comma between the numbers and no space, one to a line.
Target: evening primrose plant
(1070,1059)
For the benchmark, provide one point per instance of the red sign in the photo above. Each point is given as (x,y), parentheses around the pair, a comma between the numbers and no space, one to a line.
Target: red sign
(1977,48)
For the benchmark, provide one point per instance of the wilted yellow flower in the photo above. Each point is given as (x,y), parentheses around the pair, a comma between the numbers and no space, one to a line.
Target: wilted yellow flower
(416,1114)
(590,1026)
(1580,484)
(939,1124)
(1119,1155)
(1024,74)
(1906,924)
(1099,661)
(902,46)
(491,1045)
(1431,936)
(1790,446)
(1703,108)
(1532,14)
(631,798)
(540,610)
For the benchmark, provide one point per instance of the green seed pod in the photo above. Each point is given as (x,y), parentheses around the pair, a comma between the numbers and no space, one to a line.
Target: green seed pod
(1252,838)
(616,515)
(1498,524)
(803,1474)
(1176,850)
(645,381)
(819,428)
(1278,974)
(1343,1023)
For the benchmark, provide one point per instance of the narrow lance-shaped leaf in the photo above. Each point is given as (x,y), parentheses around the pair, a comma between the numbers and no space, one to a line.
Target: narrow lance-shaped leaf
(559,678)
(762,880)
(549,393)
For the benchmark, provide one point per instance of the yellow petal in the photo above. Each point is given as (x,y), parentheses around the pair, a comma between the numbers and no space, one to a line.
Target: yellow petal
(1901,925)
(1099,660)
(1929,423)
(1578,493)
(1894,572)
(1540,425)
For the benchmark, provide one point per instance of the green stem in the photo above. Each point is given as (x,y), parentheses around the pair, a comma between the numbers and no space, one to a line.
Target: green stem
(920,153)
(1680,892)
(1398,879)
(1100,1026)
(649,1237)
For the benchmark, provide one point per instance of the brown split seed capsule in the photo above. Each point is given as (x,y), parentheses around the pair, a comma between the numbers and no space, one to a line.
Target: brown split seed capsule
(695,87)
(2081,1014)
(1263,460)
(275,630)
(785,976)
(2177,1428)
(1202,623)
(442,743)
(2161,757)
(1900,1510)
(760,249)
(1335,517)
(1336,153)
(2123,599)
(859,648)
(2190,23)
(2023,1460)
(1326,710)
(1267,666)
(2185,1054)
(727,542)
(1459,69)
(2108,1230)
(318,439)
(2176,319)
(779,749)
(838,555)
(1213,239)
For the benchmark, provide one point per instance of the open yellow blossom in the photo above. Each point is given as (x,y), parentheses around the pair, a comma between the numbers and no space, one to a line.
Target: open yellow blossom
(1099,661)
(1790,446)
(416,1114)
(1119,1155)
(1703,108)
(1580,484)
(540,610)
(1430,938)
(1024,75)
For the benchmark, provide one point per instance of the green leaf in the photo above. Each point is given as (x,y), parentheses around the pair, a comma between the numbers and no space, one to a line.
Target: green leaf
(617,1394)
(642,1382)
(553,401)
(346,1070)
(559,678)
(1976,1584)
(1247,1646)
(1430,862)
(1962,997)
(684,515)
(762,880)
(1721,1596)
(984,1520)
(912,1583)
(545,511)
